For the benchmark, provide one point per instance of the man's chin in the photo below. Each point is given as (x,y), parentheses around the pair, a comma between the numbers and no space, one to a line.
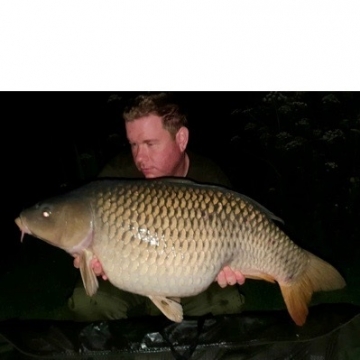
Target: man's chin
(149,174)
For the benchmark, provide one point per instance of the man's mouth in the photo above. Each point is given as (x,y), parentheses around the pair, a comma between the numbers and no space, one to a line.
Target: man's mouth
(145,170)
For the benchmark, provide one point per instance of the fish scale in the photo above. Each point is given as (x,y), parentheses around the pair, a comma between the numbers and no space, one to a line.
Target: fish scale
(170,238)
(129,198)
(190,253)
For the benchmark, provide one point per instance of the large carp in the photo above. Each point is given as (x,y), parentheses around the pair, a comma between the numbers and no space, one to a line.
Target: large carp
(169,238)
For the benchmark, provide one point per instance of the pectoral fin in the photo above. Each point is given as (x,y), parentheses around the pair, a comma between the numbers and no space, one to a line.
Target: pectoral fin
(88,276)
(169,307)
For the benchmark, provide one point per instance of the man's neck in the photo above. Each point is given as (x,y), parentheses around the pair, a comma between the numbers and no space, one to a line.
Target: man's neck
(183,168)
(186,165)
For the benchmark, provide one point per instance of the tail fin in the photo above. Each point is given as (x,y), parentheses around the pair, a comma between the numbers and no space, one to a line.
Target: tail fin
(318,276)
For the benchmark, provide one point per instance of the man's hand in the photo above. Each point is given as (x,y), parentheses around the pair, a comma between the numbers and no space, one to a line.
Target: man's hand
(229,277)
(95,265)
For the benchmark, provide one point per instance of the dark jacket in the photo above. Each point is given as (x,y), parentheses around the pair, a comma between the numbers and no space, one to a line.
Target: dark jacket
(201,169)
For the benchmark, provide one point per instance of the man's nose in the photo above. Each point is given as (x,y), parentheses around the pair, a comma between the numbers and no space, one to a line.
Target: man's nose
(140,153)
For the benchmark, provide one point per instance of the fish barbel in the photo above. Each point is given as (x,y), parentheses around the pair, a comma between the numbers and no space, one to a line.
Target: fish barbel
(169,238)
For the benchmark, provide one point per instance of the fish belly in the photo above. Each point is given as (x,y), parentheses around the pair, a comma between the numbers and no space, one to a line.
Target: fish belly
(147,269)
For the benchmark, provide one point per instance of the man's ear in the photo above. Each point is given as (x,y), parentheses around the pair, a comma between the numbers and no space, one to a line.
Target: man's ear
(182,138)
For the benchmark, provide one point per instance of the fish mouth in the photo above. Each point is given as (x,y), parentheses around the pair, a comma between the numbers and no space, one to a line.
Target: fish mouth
(23,228)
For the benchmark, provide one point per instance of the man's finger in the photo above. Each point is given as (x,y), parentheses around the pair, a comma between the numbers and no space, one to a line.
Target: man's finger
(240,278)
(229,275)
(76,262)
(221,279)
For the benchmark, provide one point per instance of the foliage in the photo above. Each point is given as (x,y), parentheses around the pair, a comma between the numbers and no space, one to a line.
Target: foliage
(302,152)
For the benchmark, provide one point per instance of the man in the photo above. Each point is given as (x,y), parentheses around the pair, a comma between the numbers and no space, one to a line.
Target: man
(158,135)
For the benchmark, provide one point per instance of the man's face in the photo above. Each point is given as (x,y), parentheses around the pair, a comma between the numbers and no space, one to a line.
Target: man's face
(156,153)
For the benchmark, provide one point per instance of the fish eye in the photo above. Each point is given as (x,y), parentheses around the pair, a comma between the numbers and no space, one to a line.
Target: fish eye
(46,213)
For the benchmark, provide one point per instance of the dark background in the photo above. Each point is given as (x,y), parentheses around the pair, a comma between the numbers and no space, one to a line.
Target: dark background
(297,153)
